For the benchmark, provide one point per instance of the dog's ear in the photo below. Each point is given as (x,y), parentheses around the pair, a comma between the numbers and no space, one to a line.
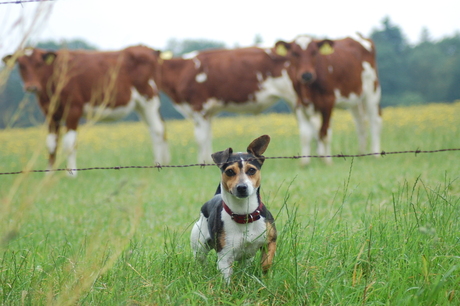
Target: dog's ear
(221,157)
(258,147)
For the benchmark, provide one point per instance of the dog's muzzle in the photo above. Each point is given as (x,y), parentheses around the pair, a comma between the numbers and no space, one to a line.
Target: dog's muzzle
(242,191)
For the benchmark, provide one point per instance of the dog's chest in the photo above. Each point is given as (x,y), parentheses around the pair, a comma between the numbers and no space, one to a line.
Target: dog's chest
(244,239)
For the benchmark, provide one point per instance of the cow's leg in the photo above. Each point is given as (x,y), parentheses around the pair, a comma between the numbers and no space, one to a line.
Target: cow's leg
(150,112)
(307,130)
(372,95)
(69,146)
(325,135)
(52,140)
(203,136)
(360,118)
(375,120)
(69,141)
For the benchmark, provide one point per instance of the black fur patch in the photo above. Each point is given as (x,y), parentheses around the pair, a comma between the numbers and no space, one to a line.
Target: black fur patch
(212,210)
(238,157)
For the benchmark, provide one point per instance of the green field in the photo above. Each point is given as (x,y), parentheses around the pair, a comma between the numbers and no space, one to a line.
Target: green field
(362,231)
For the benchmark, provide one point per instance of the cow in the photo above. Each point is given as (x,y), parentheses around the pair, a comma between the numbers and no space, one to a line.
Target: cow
(202,84)
(334,73)
(96,85)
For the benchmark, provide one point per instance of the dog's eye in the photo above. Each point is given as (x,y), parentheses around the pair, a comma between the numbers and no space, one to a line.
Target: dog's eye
(251,171)
(230,172)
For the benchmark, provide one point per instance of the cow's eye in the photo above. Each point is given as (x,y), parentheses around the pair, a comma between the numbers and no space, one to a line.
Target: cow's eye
(230,172)
(251,171)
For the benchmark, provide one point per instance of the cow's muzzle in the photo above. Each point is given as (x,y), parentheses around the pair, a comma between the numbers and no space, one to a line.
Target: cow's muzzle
(307,77)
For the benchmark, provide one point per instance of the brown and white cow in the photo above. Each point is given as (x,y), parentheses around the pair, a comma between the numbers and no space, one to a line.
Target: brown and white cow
(335,73)
(205,83)
(99,85)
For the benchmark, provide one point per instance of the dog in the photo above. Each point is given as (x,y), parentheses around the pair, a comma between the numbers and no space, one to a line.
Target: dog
(235,222)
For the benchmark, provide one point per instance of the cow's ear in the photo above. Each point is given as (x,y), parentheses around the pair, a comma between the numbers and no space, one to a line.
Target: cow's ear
(282,48)
(326,46)
(49,57)
(221,157)
(8,60)
(166,55)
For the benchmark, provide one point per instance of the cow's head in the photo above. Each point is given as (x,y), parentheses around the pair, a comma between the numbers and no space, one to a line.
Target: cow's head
(302,54)
(35,65)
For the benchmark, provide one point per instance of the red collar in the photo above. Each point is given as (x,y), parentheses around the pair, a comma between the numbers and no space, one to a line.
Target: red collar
(243,219)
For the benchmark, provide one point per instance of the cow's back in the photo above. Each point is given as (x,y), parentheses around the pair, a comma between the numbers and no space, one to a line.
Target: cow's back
(229,76)
(92,77)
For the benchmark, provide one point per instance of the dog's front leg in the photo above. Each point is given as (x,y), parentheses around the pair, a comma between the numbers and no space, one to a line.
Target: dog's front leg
(198,238)
(225,264)
(268,253)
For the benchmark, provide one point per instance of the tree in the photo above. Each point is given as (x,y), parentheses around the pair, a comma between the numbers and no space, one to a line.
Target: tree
(74,44)
(451,47)
(258,40)
(392,49)
(189,45)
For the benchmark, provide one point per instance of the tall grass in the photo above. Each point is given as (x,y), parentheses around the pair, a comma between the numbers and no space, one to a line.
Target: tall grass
(364,231)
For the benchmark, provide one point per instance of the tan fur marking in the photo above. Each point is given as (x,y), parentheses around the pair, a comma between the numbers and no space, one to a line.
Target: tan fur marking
(222,240)
(254,178)
(229,182)
(268,252)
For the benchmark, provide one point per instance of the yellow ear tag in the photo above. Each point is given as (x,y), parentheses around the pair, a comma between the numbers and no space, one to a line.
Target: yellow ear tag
(166,55)
(49,59)
(326,49)
(281,50)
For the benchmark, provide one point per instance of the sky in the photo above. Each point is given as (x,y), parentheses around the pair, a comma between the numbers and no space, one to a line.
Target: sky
(116,24)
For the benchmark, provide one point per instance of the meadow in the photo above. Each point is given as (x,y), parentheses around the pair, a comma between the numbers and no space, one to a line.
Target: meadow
(362,231)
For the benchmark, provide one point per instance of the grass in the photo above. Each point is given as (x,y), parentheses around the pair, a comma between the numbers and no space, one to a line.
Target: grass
(364,231)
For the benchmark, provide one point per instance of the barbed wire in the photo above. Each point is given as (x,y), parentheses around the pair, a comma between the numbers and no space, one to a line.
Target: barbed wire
(202,165)
(23,1)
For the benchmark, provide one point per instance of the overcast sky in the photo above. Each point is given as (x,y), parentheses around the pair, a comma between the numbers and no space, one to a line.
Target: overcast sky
(115,24)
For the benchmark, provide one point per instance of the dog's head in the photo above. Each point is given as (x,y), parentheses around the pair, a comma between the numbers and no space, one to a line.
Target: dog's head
(241,171)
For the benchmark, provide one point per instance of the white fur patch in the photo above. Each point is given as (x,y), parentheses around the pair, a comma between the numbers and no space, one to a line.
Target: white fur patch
(153,84)
(365,43)
(28,51)
(260,77)
(190,55)
(69,143)
(102,113)
(201,77)
(197,62)
(51,142)
(303,41)
(343,101)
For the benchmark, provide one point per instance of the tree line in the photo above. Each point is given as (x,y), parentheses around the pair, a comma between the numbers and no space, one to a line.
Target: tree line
(409,74)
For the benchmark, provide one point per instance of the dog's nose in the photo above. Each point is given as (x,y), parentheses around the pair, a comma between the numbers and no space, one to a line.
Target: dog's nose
(241,188)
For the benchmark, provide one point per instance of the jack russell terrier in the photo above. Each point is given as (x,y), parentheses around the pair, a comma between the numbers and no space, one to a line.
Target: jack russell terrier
(235,222)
